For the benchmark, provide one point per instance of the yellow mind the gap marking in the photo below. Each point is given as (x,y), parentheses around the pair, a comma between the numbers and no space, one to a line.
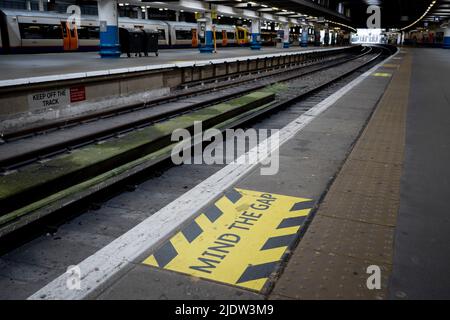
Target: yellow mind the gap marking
(391,65)
(238,240)
(382,74)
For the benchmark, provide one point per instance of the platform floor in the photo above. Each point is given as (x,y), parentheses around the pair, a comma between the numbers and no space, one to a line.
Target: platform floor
(422,236)
(308,162)
(372,173)
(386,207)
(35,65)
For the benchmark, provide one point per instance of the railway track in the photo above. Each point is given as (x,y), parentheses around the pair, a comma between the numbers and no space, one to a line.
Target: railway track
(181,92)
(79,232)
(75,172)
(26,146)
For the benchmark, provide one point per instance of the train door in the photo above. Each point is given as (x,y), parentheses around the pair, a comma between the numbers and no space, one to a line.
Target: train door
(224,38)
(242,35)
(70,36)
(73,37)
(194,38)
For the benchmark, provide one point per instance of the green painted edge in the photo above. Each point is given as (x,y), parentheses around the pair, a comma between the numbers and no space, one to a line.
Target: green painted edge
(30,177)
(29,209)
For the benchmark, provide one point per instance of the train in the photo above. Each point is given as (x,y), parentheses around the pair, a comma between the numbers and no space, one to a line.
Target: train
(425,37)
(24,31)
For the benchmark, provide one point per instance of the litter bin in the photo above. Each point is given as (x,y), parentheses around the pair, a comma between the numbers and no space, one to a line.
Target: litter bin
(124,40)
(152,41)
(136,42)
(131,41)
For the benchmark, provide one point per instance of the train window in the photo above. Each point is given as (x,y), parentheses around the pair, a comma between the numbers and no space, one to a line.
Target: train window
(88,32)
(219,35)
(230,35)
(161,34)
(241,34)
(94,32)
(39,31)
(83,33)
(63,28)
(183,34)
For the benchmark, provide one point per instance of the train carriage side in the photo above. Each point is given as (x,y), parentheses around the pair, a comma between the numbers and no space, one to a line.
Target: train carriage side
(31,31)
(426,38)
(183,34)
(89,34)
(153,25)
(225,35)
(39,33)
(26,31)
(42,34)
(10,31)
(243,36)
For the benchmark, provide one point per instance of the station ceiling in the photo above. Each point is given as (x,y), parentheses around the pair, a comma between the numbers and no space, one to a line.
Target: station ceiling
(394,13)
(288,8)
(401,14)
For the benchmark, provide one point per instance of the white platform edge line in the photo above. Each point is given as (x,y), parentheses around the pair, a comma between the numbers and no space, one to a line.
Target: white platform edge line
(99,267)
(87,74)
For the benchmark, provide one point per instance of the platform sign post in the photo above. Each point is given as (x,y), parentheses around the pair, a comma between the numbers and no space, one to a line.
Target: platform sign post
(213,26)
(333,37)
(446,44)
(214,38)
(109,31)
(317,36)
(304,41)
(326,39)
(286,36)
(206,34)
(256,34)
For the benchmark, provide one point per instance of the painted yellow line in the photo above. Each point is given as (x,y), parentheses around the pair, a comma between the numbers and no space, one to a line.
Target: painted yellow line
(382,74)
(391,65)
(239,240)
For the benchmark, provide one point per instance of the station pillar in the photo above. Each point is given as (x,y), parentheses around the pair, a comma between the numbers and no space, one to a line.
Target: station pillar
(316,37)
(41,5)
(326,38)
(406,38)
(109,31)
(333,38)
(206,44)
(286,36)
(255,44)
(446,44)
(304,41)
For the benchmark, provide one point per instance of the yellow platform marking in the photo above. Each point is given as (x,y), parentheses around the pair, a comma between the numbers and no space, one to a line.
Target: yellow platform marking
(239,240)
(391,65)
(382,74)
